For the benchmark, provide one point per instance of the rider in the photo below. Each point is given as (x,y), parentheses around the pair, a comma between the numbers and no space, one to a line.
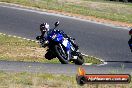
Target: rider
(130,40)
(45,30)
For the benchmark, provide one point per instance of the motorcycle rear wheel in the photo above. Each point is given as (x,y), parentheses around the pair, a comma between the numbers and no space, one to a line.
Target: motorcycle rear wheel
(80,59)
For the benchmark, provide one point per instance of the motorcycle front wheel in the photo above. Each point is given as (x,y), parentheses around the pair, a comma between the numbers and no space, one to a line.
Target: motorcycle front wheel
(61,55)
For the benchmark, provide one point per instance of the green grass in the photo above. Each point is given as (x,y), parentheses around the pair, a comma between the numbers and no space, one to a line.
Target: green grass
(115,11)
(16,49)
(39,80)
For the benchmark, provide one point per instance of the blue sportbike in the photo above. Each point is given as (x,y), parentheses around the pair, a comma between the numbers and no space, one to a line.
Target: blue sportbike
(61,47)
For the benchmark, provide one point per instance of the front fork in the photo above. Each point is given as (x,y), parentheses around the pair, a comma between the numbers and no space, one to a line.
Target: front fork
(68,52)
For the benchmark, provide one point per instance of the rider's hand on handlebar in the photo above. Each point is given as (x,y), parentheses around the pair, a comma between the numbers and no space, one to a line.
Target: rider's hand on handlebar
(38,37)
(45,43)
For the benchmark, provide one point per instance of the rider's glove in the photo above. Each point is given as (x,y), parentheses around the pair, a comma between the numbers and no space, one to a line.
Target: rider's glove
(45,43)
(38,37)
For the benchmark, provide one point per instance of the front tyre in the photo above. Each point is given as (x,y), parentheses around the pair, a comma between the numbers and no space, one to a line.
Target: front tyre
(80,59)
(62,56)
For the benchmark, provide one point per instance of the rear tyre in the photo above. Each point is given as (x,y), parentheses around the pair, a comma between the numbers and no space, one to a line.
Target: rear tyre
(61,55)
(80,59)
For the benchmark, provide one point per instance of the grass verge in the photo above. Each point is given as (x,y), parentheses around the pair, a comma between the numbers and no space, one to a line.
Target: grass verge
(16,49)
(98,8)
(38,80)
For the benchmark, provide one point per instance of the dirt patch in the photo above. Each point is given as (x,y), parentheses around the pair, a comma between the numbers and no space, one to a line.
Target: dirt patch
(26,52)
(99,6)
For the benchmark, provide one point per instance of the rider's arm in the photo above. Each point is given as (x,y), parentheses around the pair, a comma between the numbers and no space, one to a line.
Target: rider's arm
(42,40)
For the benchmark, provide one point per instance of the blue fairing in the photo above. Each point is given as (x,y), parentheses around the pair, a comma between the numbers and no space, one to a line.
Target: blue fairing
(59,38)
(68,46)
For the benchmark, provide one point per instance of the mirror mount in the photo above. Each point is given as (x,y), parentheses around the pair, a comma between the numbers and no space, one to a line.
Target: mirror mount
(56,23)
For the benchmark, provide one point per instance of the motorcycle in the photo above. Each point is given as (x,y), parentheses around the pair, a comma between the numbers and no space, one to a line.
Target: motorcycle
(57,47)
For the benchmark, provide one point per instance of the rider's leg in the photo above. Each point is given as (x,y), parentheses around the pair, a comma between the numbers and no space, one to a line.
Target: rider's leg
(74,45)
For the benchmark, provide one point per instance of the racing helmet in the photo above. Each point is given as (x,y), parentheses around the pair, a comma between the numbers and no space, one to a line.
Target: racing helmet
(44,27)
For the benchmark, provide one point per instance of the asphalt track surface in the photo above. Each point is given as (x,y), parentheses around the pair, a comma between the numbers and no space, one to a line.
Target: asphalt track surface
(100,40)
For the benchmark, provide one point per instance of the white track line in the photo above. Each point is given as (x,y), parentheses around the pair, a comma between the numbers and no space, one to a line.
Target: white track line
(18,37)
(37,42)
(104,63)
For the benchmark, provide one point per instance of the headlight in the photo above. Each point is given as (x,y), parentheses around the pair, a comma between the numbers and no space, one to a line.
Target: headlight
(54,36)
